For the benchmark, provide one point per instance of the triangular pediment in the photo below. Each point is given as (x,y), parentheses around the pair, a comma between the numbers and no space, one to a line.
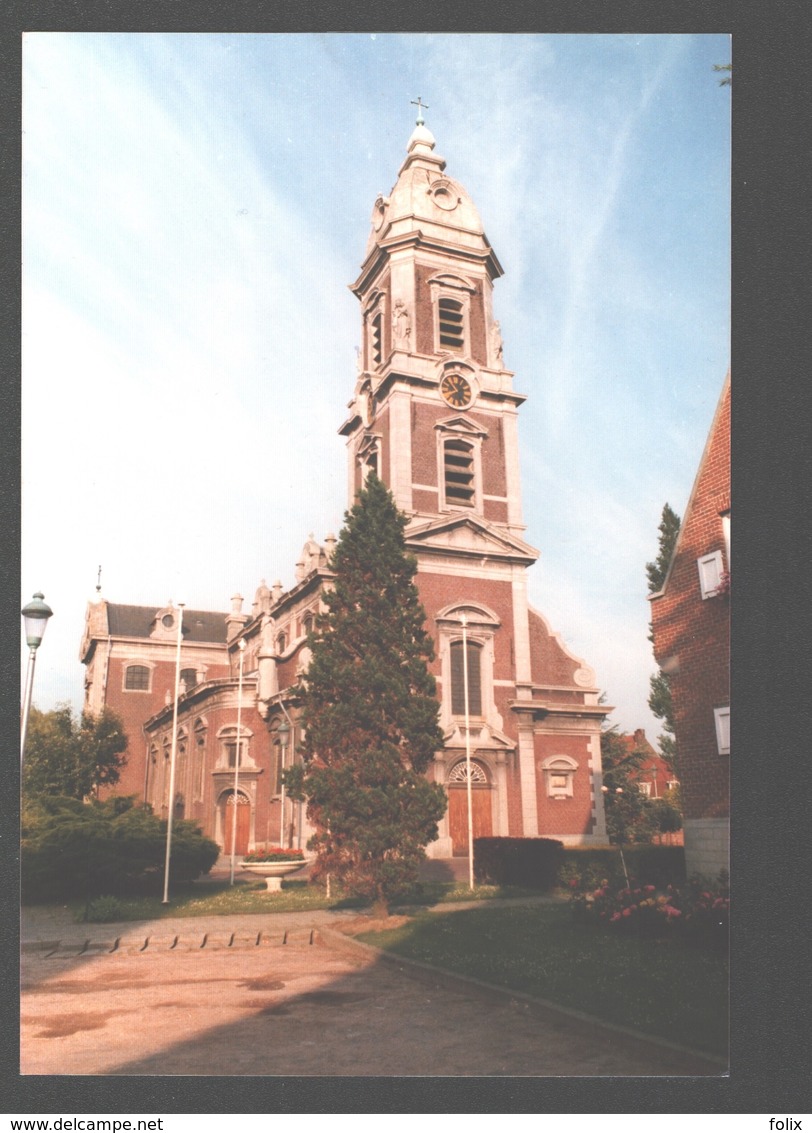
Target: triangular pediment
(468,535)
(462,426)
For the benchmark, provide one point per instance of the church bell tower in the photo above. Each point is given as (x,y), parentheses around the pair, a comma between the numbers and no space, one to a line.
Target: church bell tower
(434,414)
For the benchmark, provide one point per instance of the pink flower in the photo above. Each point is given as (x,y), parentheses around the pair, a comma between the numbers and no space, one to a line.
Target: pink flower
(627,912)
(649,888)
(615,917)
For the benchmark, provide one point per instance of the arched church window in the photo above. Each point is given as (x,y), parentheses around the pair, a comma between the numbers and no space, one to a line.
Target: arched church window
(459,773)
(281,642)
(200,731)
(473,657)
(136,679)
(459,473)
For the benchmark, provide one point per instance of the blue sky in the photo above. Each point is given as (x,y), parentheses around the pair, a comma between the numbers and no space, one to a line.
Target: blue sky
(194,208)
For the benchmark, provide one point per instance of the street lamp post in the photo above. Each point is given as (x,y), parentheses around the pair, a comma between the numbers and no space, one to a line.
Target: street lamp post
(35,617)
(237,760)
(283,731)
(172,758)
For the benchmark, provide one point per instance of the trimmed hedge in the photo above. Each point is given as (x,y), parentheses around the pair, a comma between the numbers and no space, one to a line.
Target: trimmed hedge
(531,862)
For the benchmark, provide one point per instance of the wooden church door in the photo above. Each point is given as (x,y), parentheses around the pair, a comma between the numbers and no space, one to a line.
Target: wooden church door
(481,823)
(241,813)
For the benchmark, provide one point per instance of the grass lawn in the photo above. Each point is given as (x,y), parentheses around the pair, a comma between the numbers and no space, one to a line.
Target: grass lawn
(667,988)
(219,898)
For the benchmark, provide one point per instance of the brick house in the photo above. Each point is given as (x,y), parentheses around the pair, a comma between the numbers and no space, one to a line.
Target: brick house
(655,777)
(129,658)
(435,414)
(691,632)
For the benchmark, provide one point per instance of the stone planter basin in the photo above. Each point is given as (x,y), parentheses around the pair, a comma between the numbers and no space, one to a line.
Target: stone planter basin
(273,872)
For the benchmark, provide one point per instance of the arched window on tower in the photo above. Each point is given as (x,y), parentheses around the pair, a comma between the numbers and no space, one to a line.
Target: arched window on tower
(473,657)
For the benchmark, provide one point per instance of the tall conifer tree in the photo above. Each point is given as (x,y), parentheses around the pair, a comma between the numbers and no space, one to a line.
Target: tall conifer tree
(369,710)
(659,700)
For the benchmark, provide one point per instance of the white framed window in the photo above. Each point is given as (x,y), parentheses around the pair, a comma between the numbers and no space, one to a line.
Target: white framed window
(645,789)
(721,718)
(711,568)
(559,775)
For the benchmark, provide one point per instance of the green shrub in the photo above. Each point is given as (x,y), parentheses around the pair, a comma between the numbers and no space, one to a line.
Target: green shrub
(531,862)
(102,910)
(71,848)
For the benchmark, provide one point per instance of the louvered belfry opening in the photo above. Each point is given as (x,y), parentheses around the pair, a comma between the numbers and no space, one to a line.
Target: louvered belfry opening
(474,679)
(451,324)
(459,473)
(376,344)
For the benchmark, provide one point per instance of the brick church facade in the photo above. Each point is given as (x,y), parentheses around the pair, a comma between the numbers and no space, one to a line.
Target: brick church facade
(435,414)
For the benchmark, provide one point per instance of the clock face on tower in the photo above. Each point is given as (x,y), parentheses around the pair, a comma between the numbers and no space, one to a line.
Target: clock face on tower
(456,390)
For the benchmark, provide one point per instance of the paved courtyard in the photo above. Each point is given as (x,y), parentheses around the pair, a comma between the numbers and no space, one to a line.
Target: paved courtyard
(287,994)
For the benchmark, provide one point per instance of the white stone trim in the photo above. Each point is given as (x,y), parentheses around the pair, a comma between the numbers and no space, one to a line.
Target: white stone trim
(400,448)
(521,628)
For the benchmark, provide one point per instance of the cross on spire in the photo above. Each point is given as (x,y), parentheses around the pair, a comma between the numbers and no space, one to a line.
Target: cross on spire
(421,106)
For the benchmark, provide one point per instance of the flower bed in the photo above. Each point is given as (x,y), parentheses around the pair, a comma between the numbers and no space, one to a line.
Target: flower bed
(699,910)
(274,854)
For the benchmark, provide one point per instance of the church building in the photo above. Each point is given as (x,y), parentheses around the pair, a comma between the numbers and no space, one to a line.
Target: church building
(435,414)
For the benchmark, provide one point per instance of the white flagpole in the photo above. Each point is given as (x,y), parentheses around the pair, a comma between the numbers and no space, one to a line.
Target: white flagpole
(171,810)
(464,620)
(237,760)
